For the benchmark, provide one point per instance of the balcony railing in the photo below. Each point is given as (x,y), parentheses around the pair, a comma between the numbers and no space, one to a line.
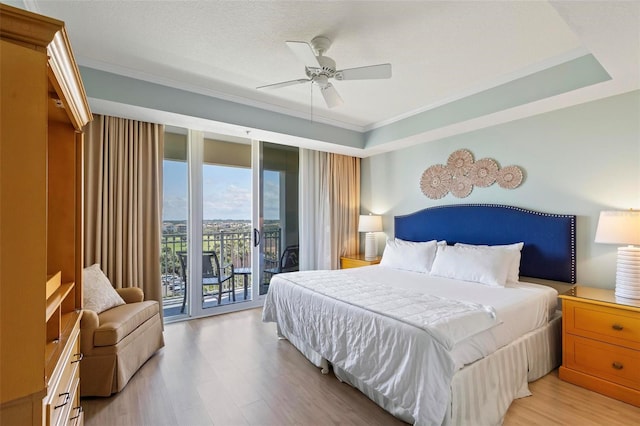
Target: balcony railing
(230,246)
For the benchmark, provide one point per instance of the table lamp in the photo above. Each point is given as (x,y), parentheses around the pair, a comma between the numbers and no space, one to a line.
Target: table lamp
(370,224)
(623,227)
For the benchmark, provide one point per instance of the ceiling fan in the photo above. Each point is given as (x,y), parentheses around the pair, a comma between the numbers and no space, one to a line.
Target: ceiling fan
(320,69)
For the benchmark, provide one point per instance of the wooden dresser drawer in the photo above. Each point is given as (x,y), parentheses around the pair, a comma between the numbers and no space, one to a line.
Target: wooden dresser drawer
(63,389)
(609,362)
(76,416)
(609,325)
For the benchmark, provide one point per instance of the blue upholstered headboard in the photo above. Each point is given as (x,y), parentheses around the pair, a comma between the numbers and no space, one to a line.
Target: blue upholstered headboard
(549,239)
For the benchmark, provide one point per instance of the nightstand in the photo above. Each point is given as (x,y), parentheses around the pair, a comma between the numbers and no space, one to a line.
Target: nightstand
(601,343)
(356,261)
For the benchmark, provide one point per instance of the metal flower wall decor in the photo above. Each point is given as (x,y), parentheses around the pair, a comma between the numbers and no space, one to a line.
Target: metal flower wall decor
(462,173)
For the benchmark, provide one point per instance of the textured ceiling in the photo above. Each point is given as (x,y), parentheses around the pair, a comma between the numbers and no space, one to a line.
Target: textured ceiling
(440,50)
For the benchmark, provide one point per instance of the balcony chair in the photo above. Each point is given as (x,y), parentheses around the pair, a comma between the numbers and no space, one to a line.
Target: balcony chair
(288,262)
(212,275)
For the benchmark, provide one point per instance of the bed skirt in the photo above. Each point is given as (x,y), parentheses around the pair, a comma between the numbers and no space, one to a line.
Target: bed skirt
(481,392)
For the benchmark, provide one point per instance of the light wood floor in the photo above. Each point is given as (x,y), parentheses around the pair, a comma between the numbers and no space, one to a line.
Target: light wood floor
(233,370)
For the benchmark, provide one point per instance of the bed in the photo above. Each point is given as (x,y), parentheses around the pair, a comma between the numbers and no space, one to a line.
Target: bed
(429,347)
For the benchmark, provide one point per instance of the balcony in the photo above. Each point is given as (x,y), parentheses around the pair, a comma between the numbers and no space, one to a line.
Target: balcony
(230,246)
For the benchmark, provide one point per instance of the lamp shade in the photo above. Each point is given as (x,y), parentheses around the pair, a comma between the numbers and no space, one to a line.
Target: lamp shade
(370,223)
(618,227)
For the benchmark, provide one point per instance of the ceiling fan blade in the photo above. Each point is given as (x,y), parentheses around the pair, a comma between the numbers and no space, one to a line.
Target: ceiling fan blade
(305,54)
(365,73)
(331,96)
(284,84)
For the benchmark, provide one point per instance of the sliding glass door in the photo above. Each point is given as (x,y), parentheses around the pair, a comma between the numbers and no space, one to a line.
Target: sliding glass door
(226,223)
(175,214)
(230,222)
(276,176)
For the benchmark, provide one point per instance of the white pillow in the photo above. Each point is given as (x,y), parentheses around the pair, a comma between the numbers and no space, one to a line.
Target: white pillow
(514,269)
(410,256)
(411,243)
(98,294)
(488,267)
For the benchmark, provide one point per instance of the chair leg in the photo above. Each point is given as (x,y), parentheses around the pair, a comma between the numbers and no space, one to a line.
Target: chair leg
(184,298)
(246,279)
(233,287)
(220,294)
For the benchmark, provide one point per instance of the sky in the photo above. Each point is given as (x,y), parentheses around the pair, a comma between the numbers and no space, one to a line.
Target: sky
(226,192)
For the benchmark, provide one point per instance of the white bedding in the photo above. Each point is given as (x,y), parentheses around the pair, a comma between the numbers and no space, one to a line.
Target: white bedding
(400,360)
(448,321)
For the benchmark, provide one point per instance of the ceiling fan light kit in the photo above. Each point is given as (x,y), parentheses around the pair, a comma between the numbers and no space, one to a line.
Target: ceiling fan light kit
(319,69)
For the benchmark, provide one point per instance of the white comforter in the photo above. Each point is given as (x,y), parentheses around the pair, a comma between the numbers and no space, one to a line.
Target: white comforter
(397,358)
(448,321)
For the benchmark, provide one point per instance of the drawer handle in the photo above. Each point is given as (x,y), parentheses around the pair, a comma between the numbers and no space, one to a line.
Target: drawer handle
(617,365)
(79,408)
(79,356)
(67,397)
(617,327)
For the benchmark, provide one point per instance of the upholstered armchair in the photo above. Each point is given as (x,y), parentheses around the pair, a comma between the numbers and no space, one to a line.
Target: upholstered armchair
(117,342)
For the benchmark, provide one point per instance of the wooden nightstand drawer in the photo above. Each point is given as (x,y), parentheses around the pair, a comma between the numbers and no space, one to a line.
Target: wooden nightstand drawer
(601,342)
(609,362)
(356,261)
(609,325)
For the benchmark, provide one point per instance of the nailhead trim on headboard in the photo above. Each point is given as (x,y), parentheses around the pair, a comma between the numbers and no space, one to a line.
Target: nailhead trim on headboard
(562,266)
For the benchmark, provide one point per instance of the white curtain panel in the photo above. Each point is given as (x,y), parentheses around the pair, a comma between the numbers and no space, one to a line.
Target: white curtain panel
(315,218)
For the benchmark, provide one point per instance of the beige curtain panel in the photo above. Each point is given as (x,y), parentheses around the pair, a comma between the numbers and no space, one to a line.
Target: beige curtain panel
(344,196)
(329,208)
(123,201)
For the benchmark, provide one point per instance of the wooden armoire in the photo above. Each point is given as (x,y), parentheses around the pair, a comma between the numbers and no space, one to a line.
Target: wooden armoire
(42,112)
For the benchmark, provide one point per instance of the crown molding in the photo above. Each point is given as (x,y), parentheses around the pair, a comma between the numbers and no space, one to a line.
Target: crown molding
(175,84)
